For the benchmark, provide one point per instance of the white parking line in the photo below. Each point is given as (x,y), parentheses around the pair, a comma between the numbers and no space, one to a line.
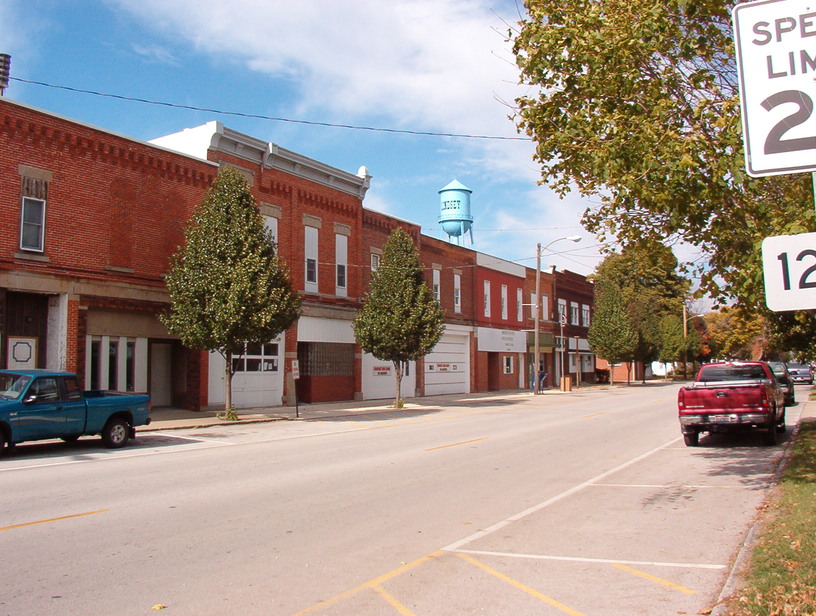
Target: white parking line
(453,547)
(606,561)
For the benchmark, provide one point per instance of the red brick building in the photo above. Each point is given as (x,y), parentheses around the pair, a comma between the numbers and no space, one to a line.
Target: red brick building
(91,218)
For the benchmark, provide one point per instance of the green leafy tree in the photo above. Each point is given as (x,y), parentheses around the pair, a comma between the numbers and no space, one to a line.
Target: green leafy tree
(612,334)
(646,277)
(400,320)
(636,103)
(227,286)
(678,345)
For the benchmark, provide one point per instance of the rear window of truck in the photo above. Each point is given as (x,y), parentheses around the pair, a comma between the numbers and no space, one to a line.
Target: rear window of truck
(732,373)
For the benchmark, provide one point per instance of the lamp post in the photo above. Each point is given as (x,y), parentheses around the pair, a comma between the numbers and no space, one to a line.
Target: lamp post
(537,306)
(686,319)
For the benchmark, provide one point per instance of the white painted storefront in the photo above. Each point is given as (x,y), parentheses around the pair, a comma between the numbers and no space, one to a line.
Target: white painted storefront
(258,380)
(447,367)
(379,381)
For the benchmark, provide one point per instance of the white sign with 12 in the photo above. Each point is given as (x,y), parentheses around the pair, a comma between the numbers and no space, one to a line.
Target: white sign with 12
(776,59)
(789,266)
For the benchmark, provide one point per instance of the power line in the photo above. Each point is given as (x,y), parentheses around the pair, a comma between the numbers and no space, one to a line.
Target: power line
(271,118)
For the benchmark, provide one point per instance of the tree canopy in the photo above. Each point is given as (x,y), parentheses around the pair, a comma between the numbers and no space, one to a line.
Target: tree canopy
(400,319)
(646,278)
(612,334)
(637,103)
(227,286)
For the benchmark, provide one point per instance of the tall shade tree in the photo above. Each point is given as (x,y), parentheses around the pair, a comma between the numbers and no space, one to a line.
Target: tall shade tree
(612,334)
(637,104)
(650,286)
(227,286)
(400,319)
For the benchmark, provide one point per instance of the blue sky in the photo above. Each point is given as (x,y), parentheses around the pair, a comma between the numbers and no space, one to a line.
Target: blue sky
(440,66)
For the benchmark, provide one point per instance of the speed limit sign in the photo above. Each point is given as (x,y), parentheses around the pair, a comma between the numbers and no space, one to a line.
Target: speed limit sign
(776,59)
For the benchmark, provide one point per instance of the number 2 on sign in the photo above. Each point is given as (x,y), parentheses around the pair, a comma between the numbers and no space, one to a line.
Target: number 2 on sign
(804,282)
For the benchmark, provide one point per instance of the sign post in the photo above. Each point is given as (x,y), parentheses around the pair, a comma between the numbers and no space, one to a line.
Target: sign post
(295,377)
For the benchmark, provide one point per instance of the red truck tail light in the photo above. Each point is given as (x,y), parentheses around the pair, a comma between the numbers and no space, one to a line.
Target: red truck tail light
(681,400)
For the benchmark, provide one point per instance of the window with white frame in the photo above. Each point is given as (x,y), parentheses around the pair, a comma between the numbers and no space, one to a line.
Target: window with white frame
(545,307)
(508,364)
(436,290)
(504,302)
(376,258)
(519,305)
(258,358)
(585,316)
(34,194)
(271,225)
(457,293)
(562,310)
(341,264)
(487,298)
(311,258)
(574,314)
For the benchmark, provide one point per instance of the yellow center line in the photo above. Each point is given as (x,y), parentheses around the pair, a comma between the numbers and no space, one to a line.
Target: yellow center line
(594,415)
(653,578)
(475,440)
(370,584)
(530,591)
(64,517)
(392,600)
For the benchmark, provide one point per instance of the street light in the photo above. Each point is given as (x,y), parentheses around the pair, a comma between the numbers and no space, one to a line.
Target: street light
(537,317)
(686,319)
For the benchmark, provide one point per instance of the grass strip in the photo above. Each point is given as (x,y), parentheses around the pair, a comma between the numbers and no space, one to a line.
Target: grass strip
(781,576)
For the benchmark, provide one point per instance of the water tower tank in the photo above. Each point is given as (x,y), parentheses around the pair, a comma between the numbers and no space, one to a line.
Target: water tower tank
(454,211)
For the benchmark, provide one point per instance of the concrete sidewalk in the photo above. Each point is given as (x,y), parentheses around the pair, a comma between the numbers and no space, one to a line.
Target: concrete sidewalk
(174,419)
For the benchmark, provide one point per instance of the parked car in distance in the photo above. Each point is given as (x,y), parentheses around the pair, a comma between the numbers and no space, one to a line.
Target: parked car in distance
(785,381)
(731,397)
(801,373)
(41,404)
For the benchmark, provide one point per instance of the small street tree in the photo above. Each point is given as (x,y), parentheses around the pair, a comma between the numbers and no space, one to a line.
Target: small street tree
(612,333)
(400,319)
(227,286)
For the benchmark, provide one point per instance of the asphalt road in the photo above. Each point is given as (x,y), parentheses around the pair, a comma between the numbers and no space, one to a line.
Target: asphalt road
(583,503)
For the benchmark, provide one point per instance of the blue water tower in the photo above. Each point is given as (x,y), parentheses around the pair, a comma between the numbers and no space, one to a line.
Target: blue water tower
(454,212)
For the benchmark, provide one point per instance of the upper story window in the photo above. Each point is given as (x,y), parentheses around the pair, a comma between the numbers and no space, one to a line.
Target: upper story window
(341,260)
(487,298)
(519,305)
(457,293)
(574,314)
(585,315)
(504,302)
(271,225)
(34,192)
(310,251)
(376,258)
(562,310)
(436,291)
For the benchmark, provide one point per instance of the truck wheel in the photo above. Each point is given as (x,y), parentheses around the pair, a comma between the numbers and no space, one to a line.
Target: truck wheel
(782,426)
(115,433)
(4,444)
(691,439)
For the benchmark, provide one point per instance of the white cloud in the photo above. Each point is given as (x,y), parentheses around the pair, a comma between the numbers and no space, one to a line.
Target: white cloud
(428,64)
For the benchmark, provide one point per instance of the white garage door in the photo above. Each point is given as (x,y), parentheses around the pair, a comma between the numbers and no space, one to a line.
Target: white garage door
(447,367)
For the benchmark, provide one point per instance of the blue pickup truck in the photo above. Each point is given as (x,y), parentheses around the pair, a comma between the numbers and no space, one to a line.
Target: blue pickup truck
(41,404)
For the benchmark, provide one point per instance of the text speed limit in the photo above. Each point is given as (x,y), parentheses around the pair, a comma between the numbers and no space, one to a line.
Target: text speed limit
(789,267)
(776,60)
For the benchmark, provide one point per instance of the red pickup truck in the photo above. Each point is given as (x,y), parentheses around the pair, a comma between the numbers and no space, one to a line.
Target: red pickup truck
(732,396)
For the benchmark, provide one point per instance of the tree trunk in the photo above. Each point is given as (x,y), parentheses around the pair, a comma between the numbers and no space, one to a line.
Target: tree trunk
(398,379)
(228,382)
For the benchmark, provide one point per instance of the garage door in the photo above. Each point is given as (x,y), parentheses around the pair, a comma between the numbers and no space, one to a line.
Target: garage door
(447,367)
